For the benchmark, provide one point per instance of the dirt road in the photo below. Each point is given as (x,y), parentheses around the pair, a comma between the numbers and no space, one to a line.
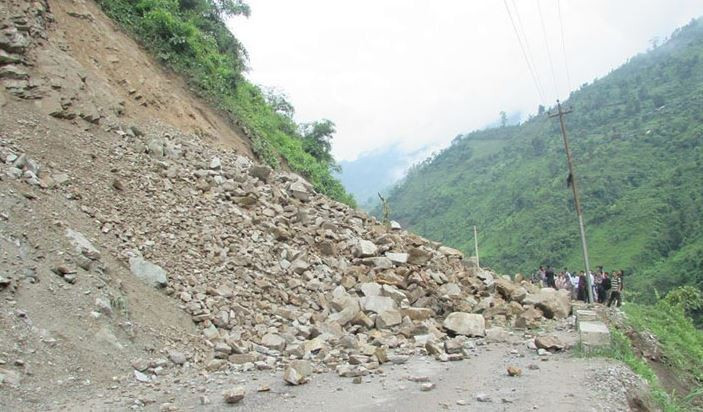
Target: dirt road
(559,382)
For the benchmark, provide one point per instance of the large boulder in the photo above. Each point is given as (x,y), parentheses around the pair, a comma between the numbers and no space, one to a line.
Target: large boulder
(297,372)
(148,272)
(418,256)
(378,262)
(273,341)
(347,308)
(365,248)
(555,304)
(299,191)
(530,318)
(398,258)
(418,314)
(377,304)
(450,252)
(388,318)
(370,289)
(467,324)
(509,290)
(261,172)
(550,343)
(449,289)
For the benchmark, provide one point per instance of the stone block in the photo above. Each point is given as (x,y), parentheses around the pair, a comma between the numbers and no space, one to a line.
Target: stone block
(594,334)
(584,315)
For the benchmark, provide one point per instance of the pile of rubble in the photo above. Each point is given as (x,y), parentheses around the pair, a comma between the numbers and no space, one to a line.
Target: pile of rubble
(274,272)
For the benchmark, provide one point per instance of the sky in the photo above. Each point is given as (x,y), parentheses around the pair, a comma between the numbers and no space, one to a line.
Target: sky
(410,75)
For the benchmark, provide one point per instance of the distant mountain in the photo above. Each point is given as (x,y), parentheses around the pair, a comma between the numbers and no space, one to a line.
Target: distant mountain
(637,139)
(377,171)
(374,172)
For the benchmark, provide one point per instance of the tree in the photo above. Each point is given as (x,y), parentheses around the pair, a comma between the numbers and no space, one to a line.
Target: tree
(540,109)
(503,119)
(317,141)
(231,8)
(279,102)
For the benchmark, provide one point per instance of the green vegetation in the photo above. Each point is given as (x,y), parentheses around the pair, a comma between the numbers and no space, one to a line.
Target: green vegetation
(621,350)
(680,343)
(637,139)
(190,37)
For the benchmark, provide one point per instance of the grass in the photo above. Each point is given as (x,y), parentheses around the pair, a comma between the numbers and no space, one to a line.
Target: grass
(680,342)
(620,349)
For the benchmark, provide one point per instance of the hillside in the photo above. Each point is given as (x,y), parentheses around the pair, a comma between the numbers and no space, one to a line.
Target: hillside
(637,137)
(191,39)
(150,261)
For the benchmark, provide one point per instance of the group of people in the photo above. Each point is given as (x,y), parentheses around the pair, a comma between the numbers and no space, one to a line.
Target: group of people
(607,288)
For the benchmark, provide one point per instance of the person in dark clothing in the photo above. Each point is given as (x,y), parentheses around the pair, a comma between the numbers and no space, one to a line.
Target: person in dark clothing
(603,288)
(605,285)
(582,293)
(551,281)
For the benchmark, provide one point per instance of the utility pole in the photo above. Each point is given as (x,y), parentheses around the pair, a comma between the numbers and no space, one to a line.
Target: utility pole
(476,246)
(572,182)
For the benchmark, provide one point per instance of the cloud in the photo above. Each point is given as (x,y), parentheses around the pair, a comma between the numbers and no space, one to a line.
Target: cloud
(412,74)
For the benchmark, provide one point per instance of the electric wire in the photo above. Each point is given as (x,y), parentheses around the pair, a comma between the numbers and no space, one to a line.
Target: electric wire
(523,33)
(563,46)
(524,53)
(549,53)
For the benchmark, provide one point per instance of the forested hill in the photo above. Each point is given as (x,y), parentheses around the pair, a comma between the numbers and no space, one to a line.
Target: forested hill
(636,136)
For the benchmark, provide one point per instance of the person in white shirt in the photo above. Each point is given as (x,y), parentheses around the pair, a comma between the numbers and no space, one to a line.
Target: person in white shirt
(574,283)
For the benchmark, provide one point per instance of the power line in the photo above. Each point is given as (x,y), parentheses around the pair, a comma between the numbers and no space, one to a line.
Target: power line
(524,54)
(563,46)
(521,29)
(549,53)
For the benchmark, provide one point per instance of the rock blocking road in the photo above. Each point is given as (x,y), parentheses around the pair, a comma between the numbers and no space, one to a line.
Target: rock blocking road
(144,264)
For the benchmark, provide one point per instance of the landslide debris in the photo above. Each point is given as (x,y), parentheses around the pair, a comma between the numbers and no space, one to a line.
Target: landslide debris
(274,275)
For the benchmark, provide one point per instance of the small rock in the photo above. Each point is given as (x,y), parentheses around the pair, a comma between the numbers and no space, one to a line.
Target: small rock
(398,359)
(141,377)
(426,387)
(419,379)
(167,407)
(514,371)
(234,395)
(117,185)
(179,358)
(483,397)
